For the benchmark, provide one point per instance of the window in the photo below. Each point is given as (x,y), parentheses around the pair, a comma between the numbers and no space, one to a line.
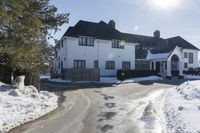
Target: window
(185,54)
(185,65)
(61,43)
(126,65)
(191,58)
(58,45)
(96,65)
(61,66)
(56,53)
(86,41)
(117,44)
(110,65)
(79,64)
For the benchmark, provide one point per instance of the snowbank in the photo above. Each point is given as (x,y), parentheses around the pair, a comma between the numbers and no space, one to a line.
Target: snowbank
(191,77)
(182,108)
(148,78)
(176,110)
(18,106)
(59,80)
(113,80)
(44,76)
(131,80)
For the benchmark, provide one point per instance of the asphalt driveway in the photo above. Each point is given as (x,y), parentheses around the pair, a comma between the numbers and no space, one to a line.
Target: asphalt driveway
(91,108)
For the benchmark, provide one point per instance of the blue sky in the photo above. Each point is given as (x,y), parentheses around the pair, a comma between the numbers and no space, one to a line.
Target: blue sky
(171,17)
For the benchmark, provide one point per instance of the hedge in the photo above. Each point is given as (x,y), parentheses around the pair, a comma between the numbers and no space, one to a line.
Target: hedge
(125,74)
(191,72)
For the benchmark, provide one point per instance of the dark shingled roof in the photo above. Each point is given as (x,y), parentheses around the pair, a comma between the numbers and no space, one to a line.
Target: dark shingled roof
(103,30)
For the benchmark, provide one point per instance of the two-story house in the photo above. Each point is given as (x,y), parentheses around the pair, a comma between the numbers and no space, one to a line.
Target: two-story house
(95,45)
(100,45)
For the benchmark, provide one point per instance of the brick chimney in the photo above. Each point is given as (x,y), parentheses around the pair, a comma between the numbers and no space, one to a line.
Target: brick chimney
(112,23)
(156,34)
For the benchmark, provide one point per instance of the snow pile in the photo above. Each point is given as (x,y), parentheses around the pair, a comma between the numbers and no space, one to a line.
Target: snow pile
(147,115)
(59,80)
(18,106)
(148,78)
(176,110)
(182,108)
(191,77)
(113,80)
(131,80)
(44,77)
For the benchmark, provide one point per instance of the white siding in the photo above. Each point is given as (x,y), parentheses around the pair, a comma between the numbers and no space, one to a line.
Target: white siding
(195,56)
(101,51)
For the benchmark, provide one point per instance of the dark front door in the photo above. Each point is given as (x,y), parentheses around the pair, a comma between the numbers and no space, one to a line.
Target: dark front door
(158,66)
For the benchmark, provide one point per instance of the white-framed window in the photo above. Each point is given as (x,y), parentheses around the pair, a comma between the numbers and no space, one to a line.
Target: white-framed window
(110,65)
(186,65)
(61,43)
(79,64)
(118,44)
(86,41)
(126,65)
(61,66)
(191,58)
(185,55)
(96,64)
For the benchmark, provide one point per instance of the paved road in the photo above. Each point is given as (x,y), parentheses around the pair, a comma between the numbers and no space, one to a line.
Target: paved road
(92,109)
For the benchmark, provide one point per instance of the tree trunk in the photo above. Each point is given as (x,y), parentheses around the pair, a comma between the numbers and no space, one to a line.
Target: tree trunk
(5,74)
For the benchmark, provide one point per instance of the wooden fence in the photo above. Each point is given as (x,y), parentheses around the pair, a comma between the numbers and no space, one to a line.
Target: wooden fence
(82,74)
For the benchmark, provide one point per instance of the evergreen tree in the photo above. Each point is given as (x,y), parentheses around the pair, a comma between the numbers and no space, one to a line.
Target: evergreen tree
(24,24)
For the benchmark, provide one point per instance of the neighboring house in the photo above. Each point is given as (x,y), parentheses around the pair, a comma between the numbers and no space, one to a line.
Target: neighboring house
(89,45)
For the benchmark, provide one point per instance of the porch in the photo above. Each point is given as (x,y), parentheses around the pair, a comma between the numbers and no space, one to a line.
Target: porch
(168,65)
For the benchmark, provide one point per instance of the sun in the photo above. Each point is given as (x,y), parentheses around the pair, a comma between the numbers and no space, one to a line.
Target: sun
(166,4)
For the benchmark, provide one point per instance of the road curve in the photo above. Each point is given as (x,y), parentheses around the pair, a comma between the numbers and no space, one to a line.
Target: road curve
(69,119)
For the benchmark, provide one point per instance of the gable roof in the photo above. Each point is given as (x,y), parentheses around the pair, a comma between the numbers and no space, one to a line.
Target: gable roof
(99,30)
(102,30)
(180,42)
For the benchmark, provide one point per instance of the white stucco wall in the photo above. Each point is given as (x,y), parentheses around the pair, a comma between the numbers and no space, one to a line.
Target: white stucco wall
(101,51)
(195,55)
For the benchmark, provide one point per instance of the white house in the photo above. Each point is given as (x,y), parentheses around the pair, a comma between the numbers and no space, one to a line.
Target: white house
(89,45)
(95,45)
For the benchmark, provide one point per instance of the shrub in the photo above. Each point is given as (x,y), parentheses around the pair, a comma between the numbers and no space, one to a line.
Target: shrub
(125,74)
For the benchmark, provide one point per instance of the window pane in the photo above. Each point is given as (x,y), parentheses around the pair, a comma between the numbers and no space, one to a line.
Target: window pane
(185,65)
(110,64)
(96,64)
(126,65)
(191,60)
(185,54)
(79,64)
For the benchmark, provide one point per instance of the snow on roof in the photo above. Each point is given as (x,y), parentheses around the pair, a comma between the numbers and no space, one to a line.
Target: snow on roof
(160,56)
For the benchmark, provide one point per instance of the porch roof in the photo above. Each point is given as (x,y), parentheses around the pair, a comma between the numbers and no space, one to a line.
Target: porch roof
(158,57)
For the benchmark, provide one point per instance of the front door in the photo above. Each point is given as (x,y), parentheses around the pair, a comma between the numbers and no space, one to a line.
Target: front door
(158,66)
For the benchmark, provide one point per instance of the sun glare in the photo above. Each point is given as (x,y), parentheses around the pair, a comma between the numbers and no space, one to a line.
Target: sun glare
(166,4)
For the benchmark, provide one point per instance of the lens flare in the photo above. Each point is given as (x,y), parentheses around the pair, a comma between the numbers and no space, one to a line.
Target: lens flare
(166,4)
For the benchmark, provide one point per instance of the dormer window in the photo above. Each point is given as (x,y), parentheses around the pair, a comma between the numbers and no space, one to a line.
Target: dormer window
(86,41)
(118,44)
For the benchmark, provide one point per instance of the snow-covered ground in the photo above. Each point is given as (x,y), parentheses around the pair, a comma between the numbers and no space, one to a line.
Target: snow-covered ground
(18,106)
(44,76)
(176,110)
(131,80)
(190,77)
(59,80)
